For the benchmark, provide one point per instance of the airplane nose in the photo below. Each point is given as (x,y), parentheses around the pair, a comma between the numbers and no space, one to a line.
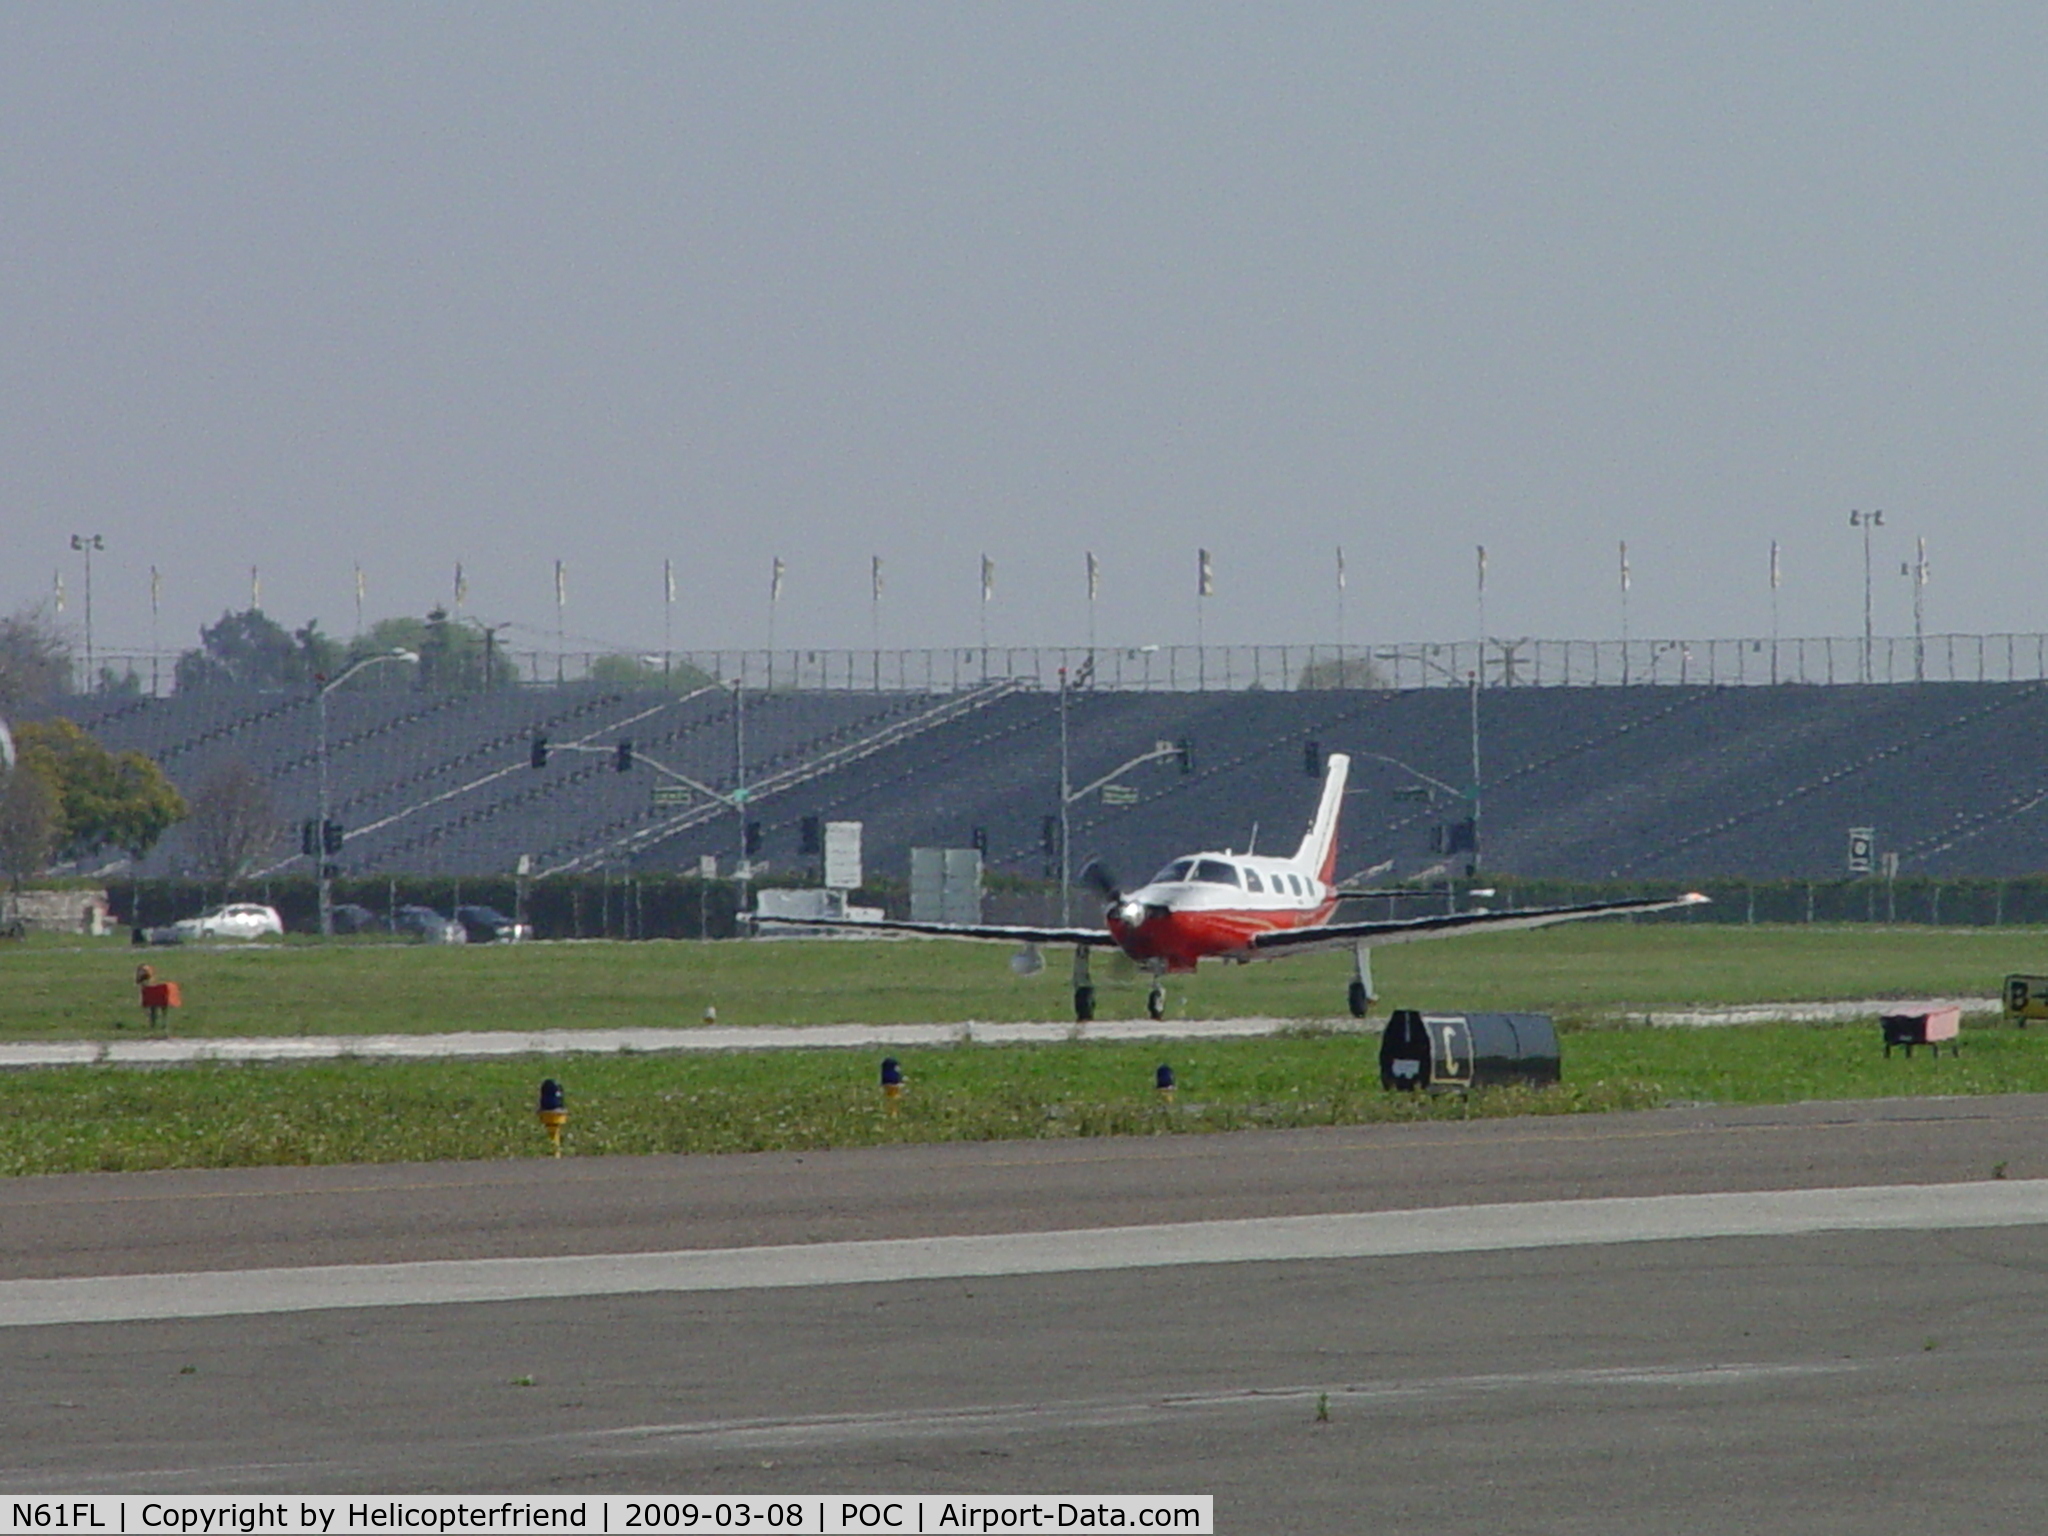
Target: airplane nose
(1131,913)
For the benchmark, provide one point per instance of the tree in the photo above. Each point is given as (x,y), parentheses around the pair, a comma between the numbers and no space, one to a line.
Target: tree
(1350,672)
(646,672)
(252,650)
(29,811)
(35,660)
(105,800)
(233,823)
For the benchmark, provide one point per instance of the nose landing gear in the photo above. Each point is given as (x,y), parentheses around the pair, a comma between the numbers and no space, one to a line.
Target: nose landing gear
(1360,994)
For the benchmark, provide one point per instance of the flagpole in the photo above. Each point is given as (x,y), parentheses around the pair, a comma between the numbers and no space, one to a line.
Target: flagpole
(988,590)
(1094,572)
(155,584)
(875,615)
(774,602)
(668,608)
(1774,610)
(561,601)
(1479,663)
(1624,611)
(1205,583)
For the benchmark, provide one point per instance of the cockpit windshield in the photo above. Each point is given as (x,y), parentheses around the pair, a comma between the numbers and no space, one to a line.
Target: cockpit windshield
(1215,872)
(1174,873)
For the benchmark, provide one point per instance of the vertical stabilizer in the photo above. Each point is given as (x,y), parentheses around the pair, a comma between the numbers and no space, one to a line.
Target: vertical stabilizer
(1318,852)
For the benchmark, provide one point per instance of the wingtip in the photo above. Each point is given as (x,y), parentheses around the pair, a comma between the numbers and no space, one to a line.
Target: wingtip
(1696,899)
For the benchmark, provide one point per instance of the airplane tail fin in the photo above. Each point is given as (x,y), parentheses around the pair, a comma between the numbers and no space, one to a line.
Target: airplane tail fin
(1318,851)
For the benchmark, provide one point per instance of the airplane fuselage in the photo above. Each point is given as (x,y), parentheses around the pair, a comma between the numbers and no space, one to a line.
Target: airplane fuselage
(1212,905)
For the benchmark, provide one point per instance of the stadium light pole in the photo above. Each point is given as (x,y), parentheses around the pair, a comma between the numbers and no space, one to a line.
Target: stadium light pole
(320,833)
(1867,521)
(87,543)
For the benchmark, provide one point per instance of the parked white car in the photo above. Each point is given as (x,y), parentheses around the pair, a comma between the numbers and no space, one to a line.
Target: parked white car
(237,920)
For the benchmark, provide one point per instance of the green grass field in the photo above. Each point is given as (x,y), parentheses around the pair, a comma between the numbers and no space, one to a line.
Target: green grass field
(101,1118)
(83,1119)
(1582,971)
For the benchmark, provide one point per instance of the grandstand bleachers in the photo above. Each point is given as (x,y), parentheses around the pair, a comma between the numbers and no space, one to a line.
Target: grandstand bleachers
(1646,782)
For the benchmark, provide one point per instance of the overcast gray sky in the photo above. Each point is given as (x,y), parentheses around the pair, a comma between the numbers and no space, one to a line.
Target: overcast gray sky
(401,286)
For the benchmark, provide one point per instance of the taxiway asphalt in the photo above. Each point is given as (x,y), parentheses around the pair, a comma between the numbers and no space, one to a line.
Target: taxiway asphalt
(1813,1318)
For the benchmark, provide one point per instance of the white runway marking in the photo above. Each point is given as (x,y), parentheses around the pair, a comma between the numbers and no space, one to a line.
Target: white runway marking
(160,1052)
(834,1431)
(1380,1234)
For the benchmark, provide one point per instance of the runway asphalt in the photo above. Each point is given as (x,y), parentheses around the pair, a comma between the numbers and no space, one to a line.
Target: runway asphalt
(1815,1318)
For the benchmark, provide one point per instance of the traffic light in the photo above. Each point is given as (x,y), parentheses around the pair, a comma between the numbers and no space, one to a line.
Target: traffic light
(540,751)
(1049,835)
(811,835)
(309,837)
(753,838)
(330,837)
(624,760)
(1184,750)
(1312,759)
(981,841)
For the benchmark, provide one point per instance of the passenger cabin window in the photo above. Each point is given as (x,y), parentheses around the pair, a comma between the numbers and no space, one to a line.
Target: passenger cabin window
(1215,872)
(1174,873)
(1251,881)
(1295,881)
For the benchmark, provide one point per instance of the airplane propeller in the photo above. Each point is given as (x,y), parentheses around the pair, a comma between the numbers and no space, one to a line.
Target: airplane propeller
(1097,874)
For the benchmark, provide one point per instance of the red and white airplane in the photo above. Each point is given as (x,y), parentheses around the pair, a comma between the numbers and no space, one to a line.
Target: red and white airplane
(1244,907)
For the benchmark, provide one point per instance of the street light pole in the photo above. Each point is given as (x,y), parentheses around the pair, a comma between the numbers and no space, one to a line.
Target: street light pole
(1867,521)
(321,865)
(87,543)
(1066,823)
(1473,869)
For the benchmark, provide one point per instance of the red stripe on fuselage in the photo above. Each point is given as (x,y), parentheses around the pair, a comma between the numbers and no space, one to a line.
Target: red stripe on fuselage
(1177,939)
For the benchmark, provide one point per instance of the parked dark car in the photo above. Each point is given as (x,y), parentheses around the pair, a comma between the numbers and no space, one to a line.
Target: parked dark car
(423,925)
(487,925)
(350,918)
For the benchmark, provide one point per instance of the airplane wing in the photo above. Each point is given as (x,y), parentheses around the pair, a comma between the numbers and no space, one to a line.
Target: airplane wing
(991,933)
(1294,941)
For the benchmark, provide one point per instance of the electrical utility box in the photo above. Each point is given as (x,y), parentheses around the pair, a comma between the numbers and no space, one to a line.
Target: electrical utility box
(945,885)
(842,856)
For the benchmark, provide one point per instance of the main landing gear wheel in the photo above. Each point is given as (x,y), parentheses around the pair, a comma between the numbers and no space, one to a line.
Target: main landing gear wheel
(1084,1004)
(1155,1001)
(1357,998)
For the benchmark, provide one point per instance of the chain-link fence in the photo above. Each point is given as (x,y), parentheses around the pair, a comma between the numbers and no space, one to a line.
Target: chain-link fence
(1495,663)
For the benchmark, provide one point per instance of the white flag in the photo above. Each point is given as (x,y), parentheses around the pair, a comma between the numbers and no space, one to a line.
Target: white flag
(775,581)
(255,589)
(1340,567)
(561,584)
(1205,575)
(57,589)
(1624,565)
(360,588)
(156,589)
(988,579)
(1774,565)
(461,585)
(1482,568)
(875,578)
(1094,576)
(668,580)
